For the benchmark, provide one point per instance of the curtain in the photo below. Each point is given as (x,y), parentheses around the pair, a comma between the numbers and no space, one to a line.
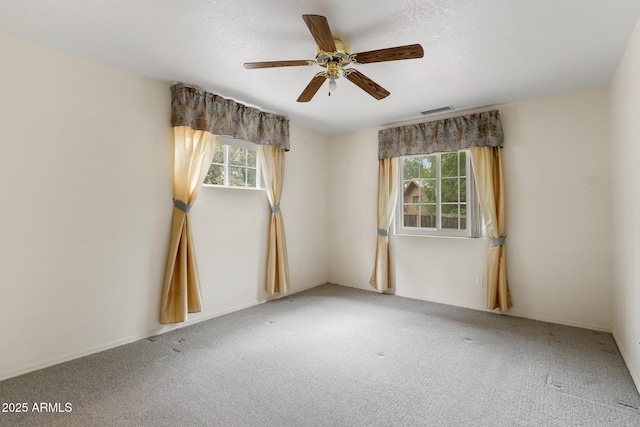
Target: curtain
(487,163)
(198,117)
(387,197)
(181,290)
(481,133)
(272,160)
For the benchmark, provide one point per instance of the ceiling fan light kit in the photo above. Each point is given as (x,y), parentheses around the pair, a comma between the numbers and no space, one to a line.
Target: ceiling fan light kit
(333,54)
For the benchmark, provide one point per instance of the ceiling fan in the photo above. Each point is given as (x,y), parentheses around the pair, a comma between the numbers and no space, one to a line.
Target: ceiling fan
(333,54)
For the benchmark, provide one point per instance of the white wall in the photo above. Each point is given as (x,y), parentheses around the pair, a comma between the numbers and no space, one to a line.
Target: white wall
(86,183)
(557,179)
(625,138)
(231,226)
(353,200)
(85,178)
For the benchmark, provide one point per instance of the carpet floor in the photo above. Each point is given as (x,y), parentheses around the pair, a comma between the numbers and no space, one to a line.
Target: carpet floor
(336,356)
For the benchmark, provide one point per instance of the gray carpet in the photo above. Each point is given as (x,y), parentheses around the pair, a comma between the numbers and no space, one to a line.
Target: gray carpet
(335,356)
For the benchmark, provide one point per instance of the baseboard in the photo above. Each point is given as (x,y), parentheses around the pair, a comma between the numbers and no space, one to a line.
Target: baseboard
(520,315)
(482,308)
(366,287)
(117,343)
(634,375)
(291,292)
(159,331)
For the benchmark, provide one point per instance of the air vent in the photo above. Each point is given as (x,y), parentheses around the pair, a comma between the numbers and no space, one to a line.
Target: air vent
(437,110)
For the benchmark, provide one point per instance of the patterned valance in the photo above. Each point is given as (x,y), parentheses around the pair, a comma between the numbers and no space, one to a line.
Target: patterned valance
(456,133)
(201,110)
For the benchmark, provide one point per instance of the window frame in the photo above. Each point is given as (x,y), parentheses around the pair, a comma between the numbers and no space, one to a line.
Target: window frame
(227,142)
(474,214)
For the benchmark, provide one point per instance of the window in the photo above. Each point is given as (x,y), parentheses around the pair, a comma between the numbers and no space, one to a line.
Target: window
(437,196)
(235,164)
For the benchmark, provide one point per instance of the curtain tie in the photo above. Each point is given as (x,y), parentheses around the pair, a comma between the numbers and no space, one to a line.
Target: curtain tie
(182,206)
(382,232)
(497,241)
(275,208)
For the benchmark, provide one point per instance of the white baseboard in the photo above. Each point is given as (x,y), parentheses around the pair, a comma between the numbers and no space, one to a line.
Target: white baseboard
(482,308)
(511,313)
(366,287)
(117,343)
(292,291)
(158,331)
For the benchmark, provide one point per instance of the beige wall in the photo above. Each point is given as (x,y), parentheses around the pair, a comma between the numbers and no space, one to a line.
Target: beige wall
(85,178)
(86,183)
(557,179)
(625,140)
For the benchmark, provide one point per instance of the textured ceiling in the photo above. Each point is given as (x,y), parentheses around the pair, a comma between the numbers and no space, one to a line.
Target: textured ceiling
(477,52)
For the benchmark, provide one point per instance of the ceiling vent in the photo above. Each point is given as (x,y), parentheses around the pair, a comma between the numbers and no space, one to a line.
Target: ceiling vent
(437,110)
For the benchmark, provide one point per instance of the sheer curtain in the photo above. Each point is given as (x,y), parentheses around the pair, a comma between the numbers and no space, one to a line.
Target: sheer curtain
(181,290)
(387,195)
(272,161)
(487,163)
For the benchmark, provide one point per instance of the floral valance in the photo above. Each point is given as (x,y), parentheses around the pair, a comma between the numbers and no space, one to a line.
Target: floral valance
(201,110)
(453,134)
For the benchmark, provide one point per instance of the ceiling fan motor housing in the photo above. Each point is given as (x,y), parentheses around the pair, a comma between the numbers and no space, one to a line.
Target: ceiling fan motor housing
(334,61)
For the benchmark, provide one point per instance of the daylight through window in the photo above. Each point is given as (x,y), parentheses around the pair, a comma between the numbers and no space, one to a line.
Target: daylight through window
(437,195)
(234,167)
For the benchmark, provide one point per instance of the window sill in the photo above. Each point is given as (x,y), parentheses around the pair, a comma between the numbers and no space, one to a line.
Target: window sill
(233,187)
(439,236)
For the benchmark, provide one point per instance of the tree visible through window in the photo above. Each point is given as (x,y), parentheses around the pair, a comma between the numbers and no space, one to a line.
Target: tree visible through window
(234,167)
(434,194)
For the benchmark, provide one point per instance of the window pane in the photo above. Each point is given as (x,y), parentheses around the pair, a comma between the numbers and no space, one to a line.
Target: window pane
(428,216)
(411,190)
(251,178)
(434,195)
(428,193)
(463,189)
(215,175)
(449,217)
(252,158)
(449,189)
(218,155)
(428,167)
(449,165)
(237,176)
(411,168)
(463,216)
(237,156)
(410,216)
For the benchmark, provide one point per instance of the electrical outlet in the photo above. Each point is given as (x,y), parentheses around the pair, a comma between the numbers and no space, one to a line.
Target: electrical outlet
(479,281)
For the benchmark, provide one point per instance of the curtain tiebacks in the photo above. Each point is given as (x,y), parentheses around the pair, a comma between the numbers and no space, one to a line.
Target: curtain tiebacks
(182,206)
(497,241)
(275,208)
(382,232)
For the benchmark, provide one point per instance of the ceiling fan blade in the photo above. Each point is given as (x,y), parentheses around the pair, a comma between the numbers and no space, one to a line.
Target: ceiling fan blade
(271,64)
(319,27)
(366,84)
(410,51)
(312,88)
